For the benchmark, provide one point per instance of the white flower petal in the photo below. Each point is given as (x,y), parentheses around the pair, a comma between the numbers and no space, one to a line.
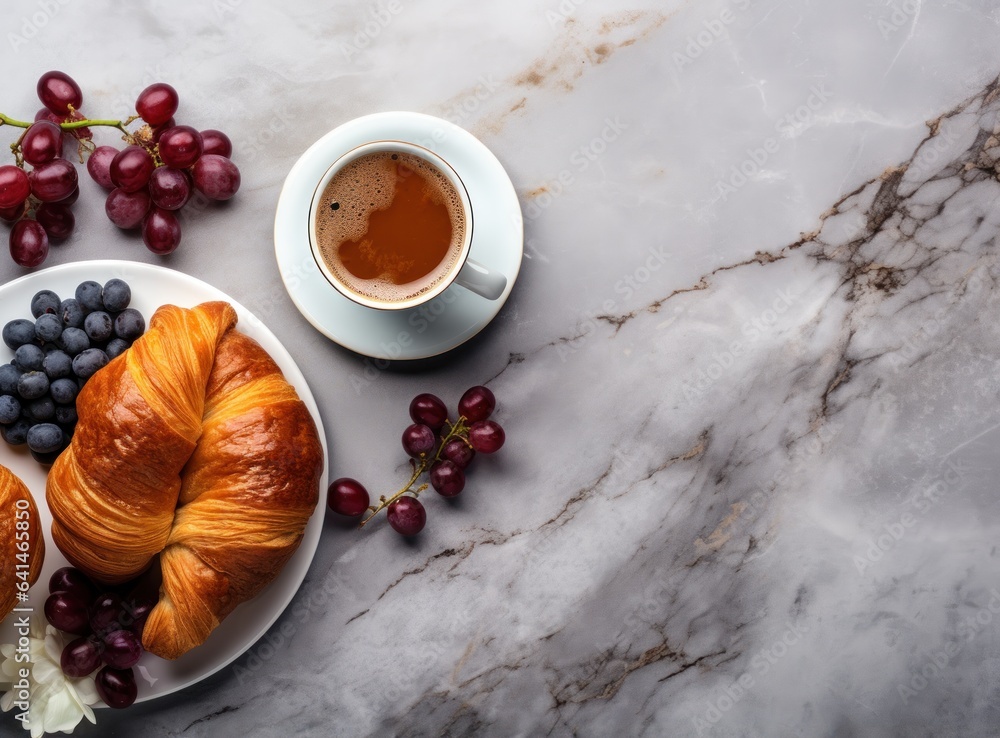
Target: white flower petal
(7,701)
(45,672)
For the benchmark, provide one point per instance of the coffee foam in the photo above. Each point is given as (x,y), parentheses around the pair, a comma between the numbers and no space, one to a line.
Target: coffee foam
(367,185)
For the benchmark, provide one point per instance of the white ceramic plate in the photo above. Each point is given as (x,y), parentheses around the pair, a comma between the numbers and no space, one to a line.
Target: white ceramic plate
(153,286)
(454,316)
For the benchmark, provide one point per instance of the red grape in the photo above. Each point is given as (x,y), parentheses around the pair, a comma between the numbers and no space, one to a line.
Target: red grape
(105,614)
(29,245)
(67,611)
(80,657)
(161,231)
(116,687)
(127,209)
(447,479)
(430,410)
(42,143)
(477,403)
(169,188)
(14,186)
(407,516)
(14,213)
(160,129)
(72,197)
(53,181)
(216,142)
(122,649)
(418,439)
(68,579)
(57,219)
(99,165)
(458,452)
(157,103)
(216,177)
(180,146)
(131,168)
(486,436)
(58,92)
(347,496)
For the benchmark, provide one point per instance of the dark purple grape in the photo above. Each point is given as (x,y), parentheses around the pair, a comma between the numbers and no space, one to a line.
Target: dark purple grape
(122,649)
(430,410)
(99,166)
(46,438)
(116,347)
(129,324)
(57,219)
(157,103)
(48,327)
(14,186)
(74,341)
(127,209)
(57,365)
(67,611)
(87,362)
(216,177)
(161,231)
(458,452)
(447,479)
(29,358)
(72,312)
(53,181)
(136,613)
(131,168)
(32,385)
(59,92)
(44,301)
(216,142)
(9,376)
(486,436)
(64,391)
(70,579)
(90,295)
(105,614)
(180,147)
(477,403)
(169,188)
(18,332)
(81,657)
(16,433)
(98,326)
(407,516)
(116,687)
(10,409)
(116,295)
(418,439)
(347,497)
(42,143)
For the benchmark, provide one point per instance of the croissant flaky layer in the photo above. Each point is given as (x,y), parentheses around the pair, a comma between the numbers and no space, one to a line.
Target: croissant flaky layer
(22,546)
(191,446)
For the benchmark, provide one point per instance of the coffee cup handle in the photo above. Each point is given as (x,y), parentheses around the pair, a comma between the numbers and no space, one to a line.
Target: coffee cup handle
(477,278)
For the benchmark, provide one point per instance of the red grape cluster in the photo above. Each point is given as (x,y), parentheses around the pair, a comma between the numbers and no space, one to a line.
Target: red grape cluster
(155,176)
(109,629)
(38,202)
(433,442)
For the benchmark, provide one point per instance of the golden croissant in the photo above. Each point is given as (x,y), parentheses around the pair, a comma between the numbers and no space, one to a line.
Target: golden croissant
(22,547)
(192,446)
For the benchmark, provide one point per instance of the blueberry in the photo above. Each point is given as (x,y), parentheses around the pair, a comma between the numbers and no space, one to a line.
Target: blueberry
(19,332)
(72,313)
(32,385)
(73,341)
(129,324)
(10,409)
(117,295)
(29,358)
(88,362)
(98,326)
(16,433)
(44,302)
(116,347)
(41,409)
(9,374)
(48,327)
(64,390)
(66,416)
(88,294)
(58,364)
(45,438)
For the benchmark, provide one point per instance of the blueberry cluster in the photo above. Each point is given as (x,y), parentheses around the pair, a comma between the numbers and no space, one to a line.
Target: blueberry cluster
(54,355)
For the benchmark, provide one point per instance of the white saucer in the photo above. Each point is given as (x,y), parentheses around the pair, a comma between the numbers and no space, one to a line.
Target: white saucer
(448,320)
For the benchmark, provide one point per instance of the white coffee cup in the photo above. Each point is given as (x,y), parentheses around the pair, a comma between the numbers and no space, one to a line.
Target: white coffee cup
(464,271)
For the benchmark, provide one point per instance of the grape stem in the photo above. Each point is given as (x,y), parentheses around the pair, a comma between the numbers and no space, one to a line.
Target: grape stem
(458,429)
(72,125)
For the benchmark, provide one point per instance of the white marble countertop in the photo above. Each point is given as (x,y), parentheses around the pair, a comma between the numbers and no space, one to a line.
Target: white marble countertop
(748,373)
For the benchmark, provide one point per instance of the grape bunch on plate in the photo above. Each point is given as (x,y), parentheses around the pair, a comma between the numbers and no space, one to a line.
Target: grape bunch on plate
(54,355)
(108,626)
(158,171)
(433,442)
